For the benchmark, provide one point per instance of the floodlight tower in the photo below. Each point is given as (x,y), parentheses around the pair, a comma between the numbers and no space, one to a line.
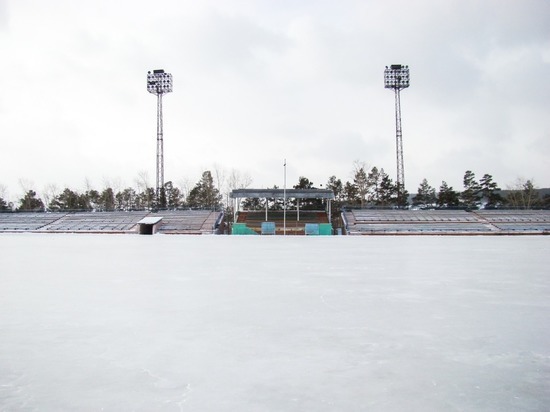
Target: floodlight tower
(396,77)
(159,83)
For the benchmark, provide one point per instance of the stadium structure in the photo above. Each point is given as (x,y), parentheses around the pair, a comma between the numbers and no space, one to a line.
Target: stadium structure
(294,221)
(192,222)
(283,222)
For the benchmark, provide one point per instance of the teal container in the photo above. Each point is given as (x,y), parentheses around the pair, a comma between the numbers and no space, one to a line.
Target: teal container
(325,229)
(242,229)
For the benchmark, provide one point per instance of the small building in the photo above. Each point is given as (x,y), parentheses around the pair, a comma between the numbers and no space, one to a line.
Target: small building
(149,225)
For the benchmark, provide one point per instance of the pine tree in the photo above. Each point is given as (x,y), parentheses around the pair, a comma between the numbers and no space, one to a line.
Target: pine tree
(425,195)
(107,200)
(402,199)
(145,200)
(126,200)
(307,204)
(3,205)
(253,203)
(351,194)
(173,195)
(471,194)
(447,196)
(30,202)
(337,187)
(204,194)
(373,184)
(68,200)
(92,199)
(489,191)
(387,191)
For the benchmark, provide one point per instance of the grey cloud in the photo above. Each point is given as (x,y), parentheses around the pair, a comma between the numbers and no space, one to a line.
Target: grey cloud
(222,42)
(303,79)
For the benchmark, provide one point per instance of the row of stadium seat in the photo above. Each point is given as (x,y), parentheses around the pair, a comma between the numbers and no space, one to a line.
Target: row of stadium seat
(363,221)
(183,221)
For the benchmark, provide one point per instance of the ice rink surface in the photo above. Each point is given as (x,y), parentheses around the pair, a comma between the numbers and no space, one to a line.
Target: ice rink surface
(228,323)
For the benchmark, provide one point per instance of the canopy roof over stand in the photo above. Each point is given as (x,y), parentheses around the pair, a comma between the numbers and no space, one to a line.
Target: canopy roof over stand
(281,194)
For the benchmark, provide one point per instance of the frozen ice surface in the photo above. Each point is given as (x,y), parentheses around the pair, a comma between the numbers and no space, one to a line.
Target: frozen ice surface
(227,323)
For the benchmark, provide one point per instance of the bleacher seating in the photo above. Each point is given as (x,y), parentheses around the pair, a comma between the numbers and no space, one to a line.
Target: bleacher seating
(254,220)
(180,221)
(114,222)
(358,221)
(23,222)
(376,221)
(518,220)
(187,221)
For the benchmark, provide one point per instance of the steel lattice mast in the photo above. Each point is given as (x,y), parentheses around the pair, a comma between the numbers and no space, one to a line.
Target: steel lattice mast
(159,83)
(396,77)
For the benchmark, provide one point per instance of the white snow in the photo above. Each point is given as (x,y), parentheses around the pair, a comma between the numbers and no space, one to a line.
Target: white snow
(229,323)
(150,220)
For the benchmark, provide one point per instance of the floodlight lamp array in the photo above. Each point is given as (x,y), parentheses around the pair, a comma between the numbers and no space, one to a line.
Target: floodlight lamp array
(396,77)
(159,82)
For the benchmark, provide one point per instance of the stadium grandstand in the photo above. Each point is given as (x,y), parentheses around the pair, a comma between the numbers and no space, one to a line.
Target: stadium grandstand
(445,222)
(517,220)
(196,222)
(190,222)
(297,221)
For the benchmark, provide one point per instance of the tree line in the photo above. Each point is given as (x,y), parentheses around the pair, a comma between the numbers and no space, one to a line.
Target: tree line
(376,189)
(203,195)
(368,188)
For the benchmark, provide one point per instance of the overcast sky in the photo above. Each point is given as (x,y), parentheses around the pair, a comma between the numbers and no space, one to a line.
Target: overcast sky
(256,82)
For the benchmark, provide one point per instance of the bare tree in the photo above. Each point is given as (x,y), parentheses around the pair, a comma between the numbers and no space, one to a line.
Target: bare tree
(359,176)
(358,165)
(5,205)
(26,184)
(87,185)
(116,184)
(50,192)
(238,180)
(142,181)
(235,180)
(219,176)
(185,184)
(523,194)
(3,191)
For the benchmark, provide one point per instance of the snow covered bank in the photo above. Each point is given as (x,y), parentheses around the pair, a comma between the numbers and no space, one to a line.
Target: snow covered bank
(219,323)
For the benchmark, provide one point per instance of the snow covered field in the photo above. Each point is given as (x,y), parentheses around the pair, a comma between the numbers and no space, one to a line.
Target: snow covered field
(227,323)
